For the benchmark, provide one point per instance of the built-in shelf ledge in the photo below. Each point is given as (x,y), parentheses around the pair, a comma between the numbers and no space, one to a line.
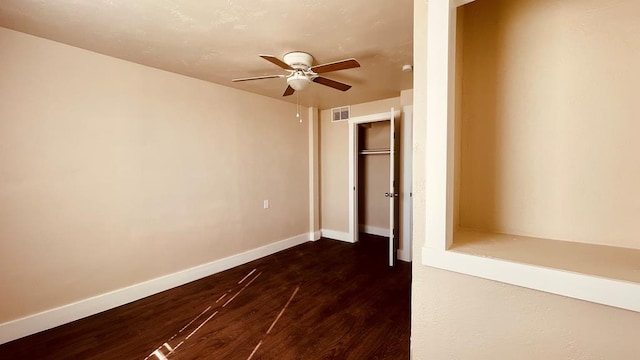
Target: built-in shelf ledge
(375,151)
(597,260)
(602,274)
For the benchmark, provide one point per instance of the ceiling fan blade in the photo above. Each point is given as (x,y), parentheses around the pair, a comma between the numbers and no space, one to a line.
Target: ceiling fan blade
(336,65)
(274,60)
(259,77)
(332,83)
(288,91)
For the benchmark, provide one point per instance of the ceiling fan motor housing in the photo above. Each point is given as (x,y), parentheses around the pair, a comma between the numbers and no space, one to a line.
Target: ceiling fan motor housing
(298,60)
(298,81)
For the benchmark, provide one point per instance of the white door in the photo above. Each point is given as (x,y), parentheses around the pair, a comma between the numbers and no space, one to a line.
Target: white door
(393,193)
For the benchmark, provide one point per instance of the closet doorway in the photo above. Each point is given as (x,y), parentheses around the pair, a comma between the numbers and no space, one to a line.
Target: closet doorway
(374,199)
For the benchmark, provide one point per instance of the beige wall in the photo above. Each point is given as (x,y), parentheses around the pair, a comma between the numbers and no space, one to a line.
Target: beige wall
(334,163)
(114,173)
(373,209)
(461,317)
(550,119)
(334,173)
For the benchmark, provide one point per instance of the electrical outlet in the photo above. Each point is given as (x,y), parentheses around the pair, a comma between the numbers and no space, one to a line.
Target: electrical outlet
(266,204)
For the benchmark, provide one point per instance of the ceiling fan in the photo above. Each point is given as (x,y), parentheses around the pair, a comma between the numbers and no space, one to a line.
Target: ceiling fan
(301,73)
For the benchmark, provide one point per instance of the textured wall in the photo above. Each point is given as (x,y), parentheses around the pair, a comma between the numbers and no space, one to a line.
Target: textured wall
(114,173)
(461,317)
(550,119)
(334,163)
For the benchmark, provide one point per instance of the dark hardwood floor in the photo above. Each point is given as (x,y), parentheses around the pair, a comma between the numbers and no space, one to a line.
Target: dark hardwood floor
(319,300)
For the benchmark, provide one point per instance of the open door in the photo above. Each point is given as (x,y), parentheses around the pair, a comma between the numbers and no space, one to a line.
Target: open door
(393,192)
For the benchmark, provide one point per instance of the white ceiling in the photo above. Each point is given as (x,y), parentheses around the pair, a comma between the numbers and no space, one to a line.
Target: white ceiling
(218,40)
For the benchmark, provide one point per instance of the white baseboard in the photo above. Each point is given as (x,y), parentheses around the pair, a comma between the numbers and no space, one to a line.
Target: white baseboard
(55,317)
(315,236)
(374,230)
(335,235)
(404,255)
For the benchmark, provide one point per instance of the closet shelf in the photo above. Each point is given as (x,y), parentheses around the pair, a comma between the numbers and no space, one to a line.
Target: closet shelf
(375,151)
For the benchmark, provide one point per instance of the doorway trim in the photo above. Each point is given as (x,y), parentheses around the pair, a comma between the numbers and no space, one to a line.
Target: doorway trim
(406,181)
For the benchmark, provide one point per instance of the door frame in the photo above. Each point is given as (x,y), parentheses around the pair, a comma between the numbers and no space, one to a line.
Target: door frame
(406,181)
(353,174)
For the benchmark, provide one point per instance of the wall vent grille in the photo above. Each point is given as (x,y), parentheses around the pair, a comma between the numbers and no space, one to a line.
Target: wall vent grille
(340,114)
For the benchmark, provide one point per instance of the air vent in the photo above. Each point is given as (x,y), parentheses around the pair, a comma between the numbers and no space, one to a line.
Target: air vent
(340,114)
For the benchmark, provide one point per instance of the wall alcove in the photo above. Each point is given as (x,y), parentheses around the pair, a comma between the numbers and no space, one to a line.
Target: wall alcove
(531,127)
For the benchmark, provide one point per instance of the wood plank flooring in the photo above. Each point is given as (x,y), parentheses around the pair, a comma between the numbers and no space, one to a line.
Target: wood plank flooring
(319,300)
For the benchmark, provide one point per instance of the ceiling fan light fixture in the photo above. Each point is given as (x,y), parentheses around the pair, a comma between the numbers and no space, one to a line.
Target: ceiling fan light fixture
(301,73)
(298,81)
